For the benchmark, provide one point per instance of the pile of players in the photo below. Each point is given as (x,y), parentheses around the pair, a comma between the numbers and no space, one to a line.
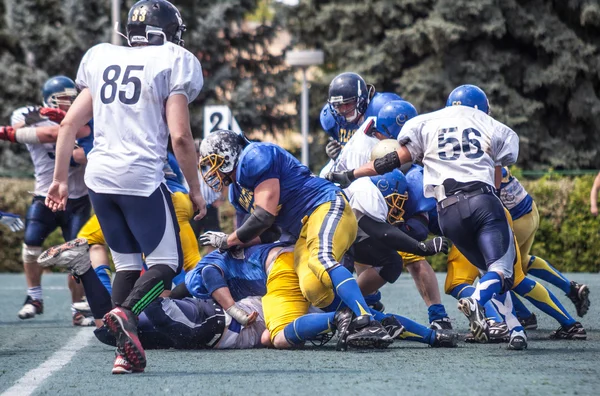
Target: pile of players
(284,276)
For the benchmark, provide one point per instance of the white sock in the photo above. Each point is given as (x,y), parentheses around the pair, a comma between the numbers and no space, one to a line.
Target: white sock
(35,292)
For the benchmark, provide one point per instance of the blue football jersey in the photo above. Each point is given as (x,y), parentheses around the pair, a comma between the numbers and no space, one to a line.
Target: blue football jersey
(300,191)
(173,175)
(245,274)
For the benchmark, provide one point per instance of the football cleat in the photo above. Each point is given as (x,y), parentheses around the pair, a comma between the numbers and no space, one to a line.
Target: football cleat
(441,324)
(377,306)
(80,319)
(445,339)
(122,324)
(82,307)
(498,333)
(476,315)
(366,332)
(73,255)
(518,341)
(529,323)
(342,320)
(122,365)
(393,326)
(579,294)
(572,332)
(31,308)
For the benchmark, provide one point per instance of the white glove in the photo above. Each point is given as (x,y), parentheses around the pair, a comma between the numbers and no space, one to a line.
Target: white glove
(214,239)
(244,318)
(12,221)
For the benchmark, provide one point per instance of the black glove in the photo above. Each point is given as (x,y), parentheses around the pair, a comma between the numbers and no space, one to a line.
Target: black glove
(434,246)
(333,148)
(344,179)
(33,116)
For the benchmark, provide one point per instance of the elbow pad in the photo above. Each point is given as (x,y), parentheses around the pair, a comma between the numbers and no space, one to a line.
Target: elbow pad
(387,163)
(259,221)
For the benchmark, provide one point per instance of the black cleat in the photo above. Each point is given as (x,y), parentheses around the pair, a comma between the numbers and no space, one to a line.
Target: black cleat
(529,323)
(476,315)
(377,306)
(366,332)
(579,294)
(518,341)
(573,332)
(441,324)
(342,320)
(392,326)
(445,339)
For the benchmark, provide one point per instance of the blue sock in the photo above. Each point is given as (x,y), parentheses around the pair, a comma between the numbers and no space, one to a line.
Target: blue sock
(521,310)
(505,307)
(373,298)
(462,290)
(105,274)
(377,315)
(335,306)
(346,287)
(436,311)
(96,293)
(488,285)
(492,313)
(414,331)
(542,269)
(308,327)
(179,278)
(544,300)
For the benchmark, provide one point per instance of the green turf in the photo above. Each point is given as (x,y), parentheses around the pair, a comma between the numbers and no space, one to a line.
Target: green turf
(548,367)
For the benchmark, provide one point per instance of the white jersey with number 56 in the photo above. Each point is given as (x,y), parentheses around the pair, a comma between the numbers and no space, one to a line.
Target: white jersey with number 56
(460,143)
(129,87)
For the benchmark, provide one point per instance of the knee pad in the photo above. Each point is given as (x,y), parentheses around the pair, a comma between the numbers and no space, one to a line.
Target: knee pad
(30,254)
(319,292)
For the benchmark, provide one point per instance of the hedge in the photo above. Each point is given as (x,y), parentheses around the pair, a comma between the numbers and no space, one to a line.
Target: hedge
(568,236)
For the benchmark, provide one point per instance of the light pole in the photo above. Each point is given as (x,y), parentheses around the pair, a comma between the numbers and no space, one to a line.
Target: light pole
(116,17)
(304,59)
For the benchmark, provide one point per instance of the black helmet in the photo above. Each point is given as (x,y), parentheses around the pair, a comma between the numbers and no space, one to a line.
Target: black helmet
(348,88)
(151,22)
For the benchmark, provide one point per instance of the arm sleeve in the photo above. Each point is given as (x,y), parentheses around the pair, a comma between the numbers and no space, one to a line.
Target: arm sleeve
(416,227)
(389,235)
(505,145)
(186,76)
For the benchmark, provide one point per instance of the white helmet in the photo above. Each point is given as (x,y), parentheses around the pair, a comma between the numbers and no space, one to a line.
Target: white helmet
(219,154)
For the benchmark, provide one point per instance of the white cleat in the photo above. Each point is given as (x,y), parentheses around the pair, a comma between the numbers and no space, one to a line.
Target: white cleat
(73,255)
(518,341)
(476,315)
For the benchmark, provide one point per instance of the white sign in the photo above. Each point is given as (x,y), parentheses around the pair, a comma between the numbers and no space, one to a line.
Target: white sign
(219,117)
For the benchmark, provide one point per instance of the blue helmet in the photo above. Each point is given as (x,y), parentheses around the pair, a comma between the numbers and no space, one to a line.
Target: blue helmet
(378,101)
(393,115)
(348,98)
(59,90)
(469,95)
(393,187)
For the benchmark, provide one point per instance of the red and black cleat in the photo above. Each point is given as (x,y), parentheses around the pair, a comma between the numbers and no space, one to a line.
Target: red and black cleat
(122,324)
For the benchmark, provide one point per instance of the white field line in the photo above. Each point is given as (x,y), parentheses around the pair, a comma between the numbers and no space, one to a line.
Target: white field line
(24,288)
(35,377)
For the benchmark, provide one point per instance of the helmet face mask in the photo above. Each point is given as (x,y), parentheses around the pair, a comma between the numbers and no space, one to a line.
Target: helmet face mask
(395,204)
(210,169)
(393,188)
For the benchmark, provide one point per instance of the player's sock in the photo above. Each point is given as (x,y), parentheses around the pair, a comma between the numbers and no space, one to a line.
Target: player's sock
(488,285)
(436,312)
(374,298)
(414,331)
(544,300)
(148,287)
(542,269)
(492,313)
(104,274)
(503,303)
(462,290)
(35,292)
(123,284)
(308,327)
(346,287)
(377,315)
(335,306)
(520,308)
(96,293)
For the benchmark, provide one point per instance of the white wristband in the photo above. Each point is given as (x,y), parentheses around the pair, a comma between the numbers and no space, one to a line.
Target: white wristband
(27,135)
(238,314)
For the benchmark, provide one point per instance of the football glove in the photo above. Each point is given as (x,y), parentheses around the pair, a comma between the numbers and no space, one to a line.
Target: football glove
(55,115)
(333,148)
(12,221)
(8,133)
(33,116)
(214,239)
(344,179)
(434,246)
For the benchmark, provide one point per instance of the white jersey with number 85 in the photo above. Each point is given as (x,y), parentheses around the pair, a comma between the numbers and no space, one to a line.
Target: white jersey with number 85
(130,87)
(460,143)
